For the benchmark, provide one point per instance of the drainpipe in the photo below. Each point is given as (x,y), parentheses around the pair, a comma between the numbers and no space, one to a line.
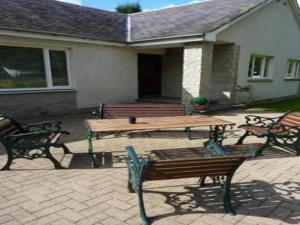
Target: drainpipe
(128,28)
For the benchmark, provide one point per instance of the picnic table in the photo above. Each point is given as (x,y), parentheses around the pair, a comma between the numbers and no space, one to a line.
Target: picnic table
(94,126)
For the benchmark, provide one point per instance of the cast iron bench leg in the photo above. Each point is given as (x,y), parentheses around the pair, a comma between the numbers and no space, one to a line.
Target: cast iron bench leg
(201,181)
(9,161)
(297,146)
(242,138)
(227,199)
(143,215)
(66,149)
(262,148)
(56,164)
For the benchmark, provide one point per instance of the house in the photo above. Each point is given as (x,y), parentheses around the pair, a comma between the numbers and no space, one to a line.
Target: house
(60,58)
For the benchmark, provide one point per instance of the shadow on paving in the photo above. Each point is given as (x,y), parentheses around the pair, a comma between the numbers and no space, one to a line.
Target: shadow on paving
(117,159)
(256,198)
(110,159)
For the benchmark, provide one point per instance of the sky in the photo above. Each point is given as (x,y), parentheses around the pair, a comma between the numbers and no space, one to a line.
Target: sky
(146,4)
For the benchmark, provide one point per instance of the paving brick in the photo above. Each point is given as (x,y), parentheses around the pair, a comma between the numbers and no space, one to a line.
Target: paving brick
(5,218)
(70,215)
(263,193)
(23,216)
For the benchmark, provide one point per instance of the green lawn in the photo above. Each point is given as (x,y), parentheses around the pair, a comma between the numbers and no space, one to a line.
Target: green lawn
(281,106)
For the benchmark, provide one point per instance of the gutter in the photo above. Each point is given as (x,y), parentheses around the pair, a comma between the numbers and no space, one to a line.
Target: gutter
(168,40)
(56,37)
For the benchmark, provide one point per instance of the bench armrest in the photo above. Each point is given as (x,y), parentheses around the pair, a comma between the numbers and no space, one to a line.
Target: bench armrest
(136,168)
(30,139)
(260,121)
(44,126)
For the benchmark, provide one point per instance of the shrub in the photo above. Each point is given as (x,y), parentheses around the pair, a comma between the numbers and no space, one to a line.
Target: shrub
(129,8)
(199,101)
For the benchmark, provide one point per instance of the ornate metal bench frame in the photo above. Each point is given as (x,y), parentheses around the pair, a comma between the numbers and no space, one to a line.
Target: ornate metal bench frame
(27,144)
(281,135)
(138,167)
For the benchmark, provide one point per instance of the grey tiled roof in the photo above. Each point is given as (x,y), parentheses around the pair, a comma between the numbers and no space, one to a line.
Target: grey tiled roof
(198,18)
(61,18)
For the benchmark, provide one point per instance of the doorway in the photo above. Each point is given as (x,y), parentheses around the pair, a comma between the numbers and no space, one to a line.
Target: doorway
(149,75)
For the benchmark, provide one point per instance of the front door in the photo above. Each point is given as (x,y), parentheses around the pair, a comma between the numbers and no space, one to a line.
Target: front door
(149,72)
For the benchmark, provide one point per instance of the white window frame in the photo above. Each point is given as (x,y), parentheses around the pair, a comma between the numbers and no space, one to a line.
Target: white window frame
(48,72)
(295,70)
(263,68)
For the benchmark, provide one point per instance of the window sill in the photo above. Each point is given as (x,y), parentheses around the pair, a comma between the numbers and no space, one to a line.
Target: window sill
(36,91)
(291,79)
(260,80)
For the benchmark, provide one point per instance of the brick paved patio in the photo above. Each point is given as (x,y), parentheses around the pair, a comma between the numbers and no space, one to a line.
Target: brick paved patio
(265,191)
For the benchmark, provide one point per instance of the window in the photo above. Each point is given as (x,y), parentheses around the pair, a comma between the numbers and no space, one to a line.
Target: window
(293,69)
(32,68)
(259,67)
(59,71)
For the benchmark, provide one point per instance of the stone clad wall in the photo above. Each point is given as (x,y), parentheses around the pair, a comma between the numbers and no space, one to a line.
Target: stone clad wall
(197,71)
(172,73)
(224,72)
(26,105)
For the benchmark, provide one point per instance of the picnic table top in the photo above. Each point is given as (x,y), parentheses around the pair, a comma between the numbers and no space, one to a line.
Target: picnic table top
(154,123)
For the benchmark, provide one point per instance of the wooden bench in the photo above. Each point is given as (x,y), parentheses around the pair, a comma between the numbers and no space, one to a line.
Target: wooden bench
(119,111)
(283,131)
(31,141)
(217,164)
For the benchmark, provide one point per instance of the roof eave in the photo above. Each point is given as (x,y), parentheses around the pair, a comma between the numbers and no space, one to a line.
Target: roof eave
(295,10)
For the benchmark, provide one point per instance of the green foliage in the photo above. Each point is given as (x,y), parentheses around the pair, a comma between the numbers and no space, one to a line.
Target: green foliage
(280,106)
(199,101)
(129,8)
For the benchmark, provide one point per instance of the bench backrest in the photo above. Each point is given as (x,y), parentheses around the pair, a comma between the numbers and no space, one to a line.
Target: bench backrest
(175,169)
(118,111)
(8,127)
(290,119)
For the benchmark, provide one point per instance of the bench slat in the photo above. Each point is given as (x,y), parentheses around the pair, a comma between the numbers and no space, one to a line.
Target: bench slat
(184,175)
(192,165)
(191,169)
(212,160)
(116,111)
(291,119)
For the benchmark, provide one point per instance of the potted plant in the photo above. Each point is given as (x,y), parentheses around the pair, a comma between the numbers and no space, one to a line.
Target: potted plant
(246,93)
(199,103)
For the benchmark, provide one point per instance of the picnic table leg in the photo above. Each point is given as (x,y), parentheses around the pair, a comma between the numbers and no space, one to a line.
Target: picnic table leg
(90,150)
(216,134)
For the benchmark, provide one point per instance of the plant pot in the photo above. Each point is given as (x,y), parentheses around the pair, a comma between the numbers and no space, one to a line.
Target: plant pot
(199,107)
